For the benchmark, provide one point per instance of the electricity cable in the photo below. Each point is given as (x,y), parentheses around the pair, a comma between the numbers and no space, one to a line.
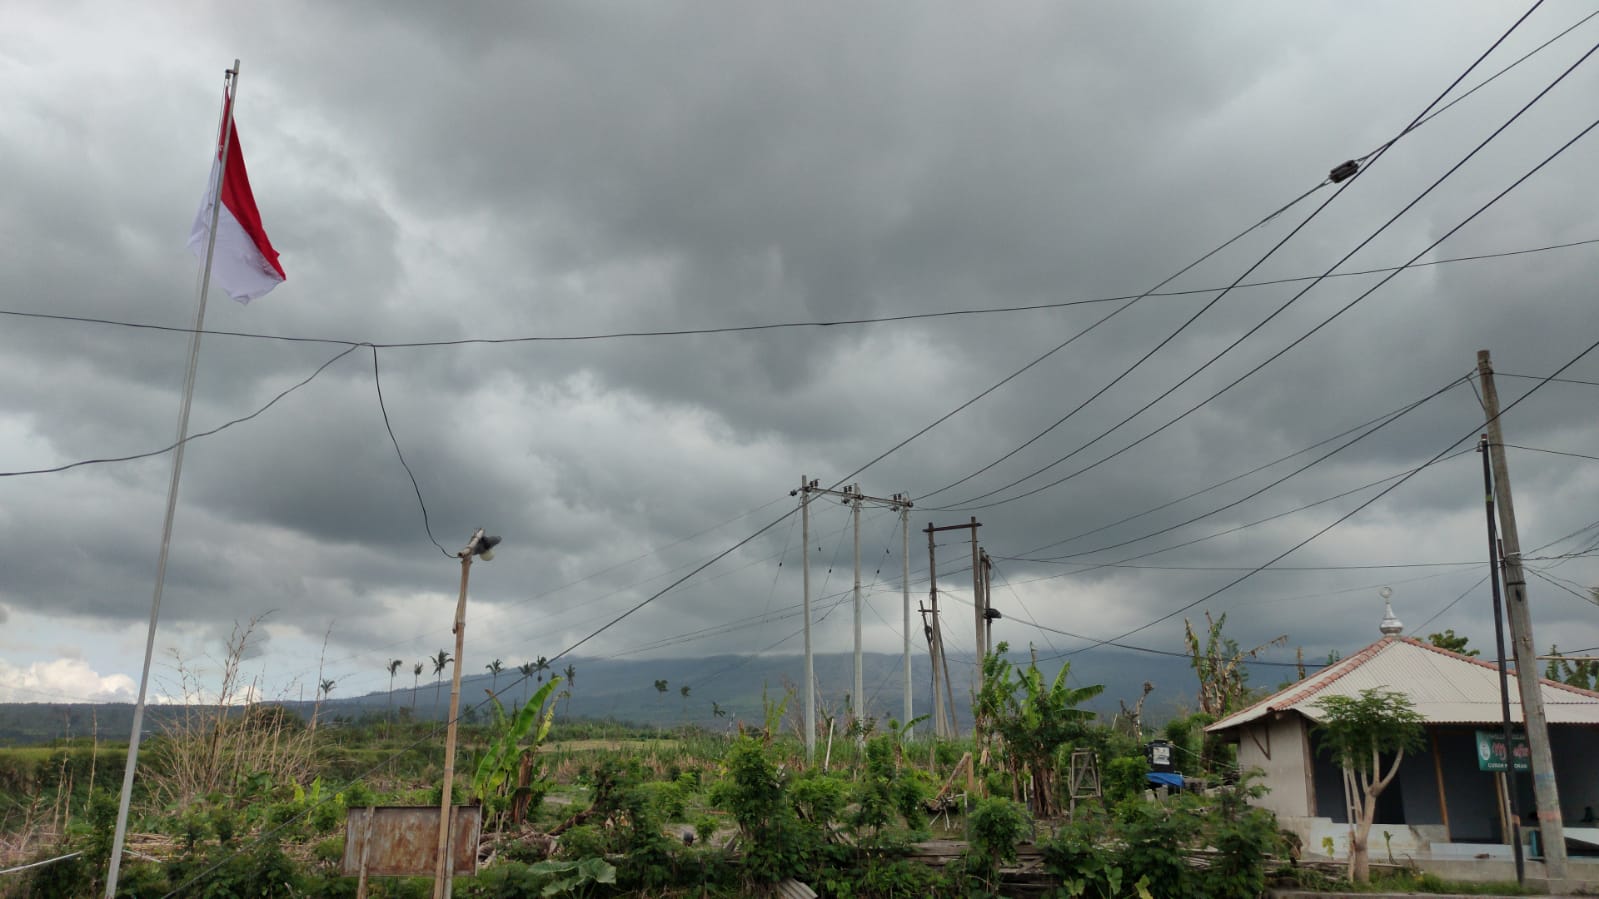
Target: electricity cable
(195,436)
(1347,181)
(1279,481)
(1534,449)
(1451,603)
(734,329)
(377,381)
(1351,513)
(1227,481)
(972,504)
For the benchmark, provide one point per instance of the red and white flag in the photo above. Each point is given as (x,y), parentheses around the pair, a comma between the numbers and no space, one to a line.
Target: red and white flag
(244,264)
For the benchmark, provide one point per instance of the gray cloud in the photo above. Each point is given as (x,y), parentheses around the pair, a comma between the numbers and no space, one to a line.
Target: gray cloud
(436,174)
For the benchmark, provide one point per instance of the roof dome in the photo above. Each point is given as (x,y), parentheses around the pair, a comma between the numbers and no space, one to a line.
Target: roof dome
(1391,625)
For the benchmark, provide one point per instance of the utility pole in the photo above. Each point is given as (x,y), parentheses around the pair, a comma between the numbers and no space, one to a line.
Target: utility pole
(1530,685)
(806,486)
(978,624)
(932,635)
(858,703)
(935,641)
(988,605)
(1499,641)
(904,501)
(480,546)
(932,655)
(853,497)
(977,604)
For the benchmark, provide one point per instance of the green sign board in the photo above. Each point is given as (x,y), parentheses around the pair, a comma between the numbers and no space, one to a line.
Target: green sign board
(1491,754)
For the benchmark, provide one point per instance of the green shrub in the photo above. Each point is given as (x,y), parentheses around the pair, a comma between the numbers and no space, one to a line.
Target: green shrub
(755,796)
(1125,778)
(995,827)
(583,841)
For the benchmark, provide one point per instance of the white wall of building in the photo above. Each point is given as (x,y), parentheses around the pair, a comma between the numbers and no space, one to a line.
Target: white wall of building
(1277,745)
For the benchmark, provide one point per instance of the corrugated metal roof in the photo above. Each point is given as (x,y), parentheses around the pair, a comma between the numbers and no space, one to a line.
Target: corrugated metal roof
(1445,687)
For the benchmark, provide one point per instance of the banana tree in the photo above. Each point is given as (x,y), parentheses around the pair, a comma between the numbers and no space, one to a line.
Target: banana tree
(517,738)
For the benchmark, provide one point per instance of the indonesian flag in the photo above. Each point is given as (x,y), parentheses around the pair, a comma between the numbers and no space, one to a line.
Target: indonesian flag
(244,263)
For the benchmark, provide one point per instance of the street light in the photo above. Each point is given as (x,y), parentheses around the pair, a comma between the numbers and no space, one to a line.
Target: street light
(480,546)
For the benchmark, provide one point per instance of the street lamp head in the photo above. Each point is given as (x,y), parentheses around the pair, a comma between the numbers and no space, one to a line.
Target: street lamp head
(485,547)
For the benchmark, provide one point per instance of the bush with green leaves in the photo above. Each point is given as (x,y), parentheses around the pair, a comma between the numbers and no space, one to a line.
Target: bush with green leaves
(1125,778)
(887,793)
(1100,853)
(769,828)
(994,828)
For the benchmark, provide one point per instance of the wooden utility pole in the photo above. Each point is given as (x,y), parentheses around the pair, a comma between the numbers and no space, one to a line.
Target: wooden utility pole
(977,602)
(988,605)
(978,624)
(932,655)
(905,589)
(941,726)
(1528,682)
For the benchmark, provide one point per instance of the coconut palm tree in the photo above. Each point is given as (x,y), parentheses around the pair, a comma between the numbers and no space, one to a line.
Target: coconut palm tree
(494,668)
(416,677)
(660,687)
(684,690)
(439,661)
(327,687)
(571,678)
(394,668)
(541,666)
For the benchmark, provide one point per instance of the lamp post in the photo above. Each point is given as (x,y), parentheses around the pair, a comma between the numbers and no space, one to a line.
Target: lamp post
(479,546)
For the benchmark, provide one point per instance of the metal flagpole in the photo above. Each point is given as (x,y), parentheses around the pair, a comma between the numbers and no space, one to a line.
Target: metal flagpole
(230,87)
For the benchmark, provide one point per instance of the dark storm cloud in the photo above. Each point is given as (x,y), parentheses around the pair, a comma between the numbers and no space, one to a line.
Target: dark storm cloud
(505,170)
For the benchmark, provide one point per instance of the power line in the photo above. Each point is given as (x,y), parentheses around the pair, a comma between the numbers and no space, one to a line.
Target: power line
(1241,527)
(377,381)
(972,504)
(1295,473)
(1534,449)
(769,326)
(1556,380)
(1558,582)
(1354,171)
(1451,603)
(196,436)
(1351,513)
(1231,480)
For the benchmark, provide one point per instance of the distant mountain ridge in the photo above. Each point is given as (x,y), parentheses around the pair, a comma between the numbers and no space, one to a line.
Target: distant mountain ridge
(624,690)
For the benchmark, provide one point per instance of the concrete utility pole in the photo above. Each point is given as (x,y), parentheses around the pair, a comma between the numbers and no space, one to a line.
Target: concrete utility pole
(858,698)
(1545,791)
(1499,643)
(806,486)
(853,497)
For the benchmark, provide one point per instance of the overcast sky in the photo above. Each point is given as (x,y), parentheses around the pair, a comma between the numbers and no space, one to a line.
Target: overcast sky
(506,170)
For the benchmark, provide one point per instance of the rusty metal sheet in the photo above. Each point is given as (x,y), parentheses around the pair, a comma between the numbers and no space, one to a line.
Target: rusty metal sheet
(404,840)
